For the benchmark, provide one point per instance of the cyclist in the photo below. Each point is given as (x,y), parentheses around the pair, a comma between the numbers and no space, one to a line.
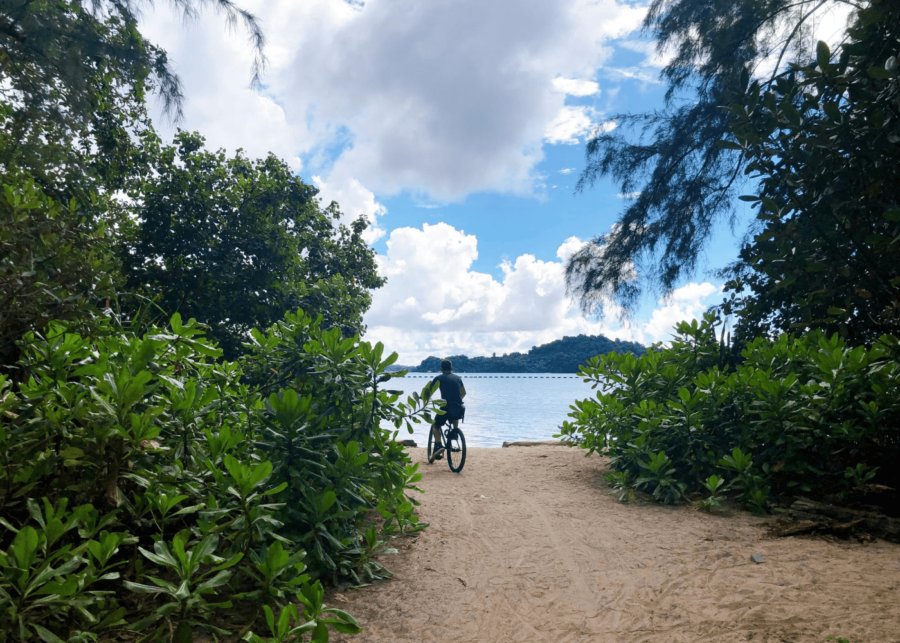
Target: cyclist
(452,392)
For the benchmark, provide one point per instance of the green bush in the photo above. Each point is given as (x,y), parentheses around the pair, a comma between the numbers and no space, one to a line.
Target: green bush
(56,261)
(146,485)
(791,414)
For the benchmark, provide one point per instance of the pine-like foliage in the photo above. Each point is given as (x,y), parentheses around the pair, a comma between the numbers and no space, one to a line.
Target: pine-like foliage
(683,181)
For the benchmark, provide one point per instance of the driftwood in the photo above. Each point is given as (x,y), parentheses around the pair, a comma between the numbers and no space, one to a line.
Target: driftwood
(811,517)
(408,443)
(523,443)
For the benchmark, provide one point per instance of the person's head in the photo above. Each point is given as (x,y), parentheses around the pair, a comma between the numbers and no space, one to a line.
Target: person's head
(446,366)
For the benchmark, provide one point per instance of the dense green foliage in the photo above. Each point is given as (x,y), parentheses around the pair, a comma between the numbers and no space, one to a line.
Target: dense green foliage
(74,84)
(234,243)
(564,355)
(823,144)
(684,182)
(806,398)
(147,485)
(55,263)
(66,59)
(231,242)
(807,414)
(150,487)
(75,78)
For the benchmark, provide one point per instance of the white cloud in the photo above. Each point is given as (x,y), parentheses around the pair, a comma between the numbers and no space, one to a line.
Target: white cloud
(214,67)
(567,170)
(568,248)
(435,304)
(632,73)
(451,97)
(441,99)
(652,56)
(685,303)
(355,200)
(603,128)
(570,124)
(576,87)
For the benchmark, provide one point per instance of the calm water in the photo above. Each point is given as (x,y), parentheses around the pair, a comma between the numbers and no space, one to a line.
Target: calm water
(505,406)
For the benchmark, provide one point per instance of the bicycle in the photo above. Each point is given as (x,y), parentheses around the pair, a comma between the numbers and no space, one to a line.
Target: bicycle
(455,443)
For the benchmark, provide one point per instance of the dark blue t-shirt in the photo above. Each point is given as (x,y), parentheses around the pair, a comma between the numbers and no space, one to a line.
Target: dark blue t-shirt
(451,391)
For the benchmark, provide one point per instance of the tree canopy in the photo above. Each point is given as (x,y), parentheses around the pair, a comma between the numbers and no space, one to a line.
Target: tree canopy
(74,79)
(235,242)
(822,142)
(684,182)
(564,355)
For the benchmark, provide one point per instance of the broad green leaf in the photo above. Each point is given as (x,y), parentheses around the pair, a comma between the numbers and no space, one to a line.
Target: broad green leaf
(46,635)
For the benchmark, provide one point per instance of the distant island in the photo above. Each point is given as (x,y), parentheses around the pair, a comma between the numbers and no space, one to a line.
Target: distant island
(561,356)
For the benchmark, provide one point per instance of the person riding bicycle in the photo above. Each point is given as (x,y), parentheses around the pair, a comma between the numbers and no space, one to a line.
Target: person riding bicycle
(452,392)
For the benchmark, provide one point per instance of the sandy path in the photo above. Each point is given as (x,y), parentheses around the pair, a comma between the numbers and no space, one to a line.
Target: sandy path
(528,545)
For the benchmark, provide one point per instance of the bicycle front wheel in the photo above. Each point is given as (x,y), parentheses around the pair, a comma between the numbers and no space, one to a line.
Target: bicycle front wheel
(456,450)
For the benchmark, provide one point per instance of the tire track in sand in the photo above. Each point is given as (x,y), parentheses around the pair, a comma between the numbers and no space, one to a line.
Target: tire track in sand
(525,545)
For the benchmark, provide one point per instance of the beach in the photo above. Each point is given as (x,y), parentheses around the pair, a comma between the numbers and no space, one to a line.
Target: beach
(527,544)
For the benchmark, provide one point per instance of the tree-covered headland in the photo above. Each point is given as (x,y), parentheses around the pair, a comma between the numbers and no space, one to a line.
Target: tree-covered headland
(802,395)
(189,421)
(565,355)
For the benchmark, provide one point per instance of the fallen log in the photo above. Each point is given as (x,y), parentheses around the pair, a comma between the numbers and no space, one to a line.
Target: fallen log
(811,517)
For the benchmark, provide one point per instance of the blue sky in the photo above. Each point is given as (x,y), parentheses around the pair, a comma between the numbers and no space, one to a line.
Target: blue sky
(458,128)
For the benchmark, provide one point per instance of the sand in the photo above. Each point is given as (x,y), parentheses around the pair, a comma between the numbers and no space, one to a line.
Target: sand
(527,544)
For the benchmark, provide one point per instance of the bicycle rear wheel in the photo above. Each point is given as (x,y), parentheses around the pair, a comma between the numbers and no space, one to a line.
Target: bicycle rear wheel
(430,446)
(456,450)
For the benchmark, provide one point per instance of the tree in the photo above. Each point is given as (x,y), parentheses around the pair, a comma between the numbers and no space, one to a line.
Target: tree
(235,243)
(564,355)
(53,264)
(822,143)
(73,81)
(684,182)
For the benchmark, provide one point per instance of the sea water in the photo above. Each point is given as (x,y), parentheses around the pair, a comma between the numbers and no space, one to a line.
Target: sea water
(503,406)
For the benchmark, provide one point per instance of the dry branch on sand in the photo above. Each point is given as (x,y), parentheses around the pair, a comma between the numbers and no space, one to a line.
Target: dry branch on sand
(811,517)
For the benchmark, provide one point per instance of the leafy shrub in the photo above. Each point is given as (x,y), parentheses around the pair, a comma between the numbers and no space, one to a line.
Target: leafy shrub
(146,485)
(786,414)
(55,262)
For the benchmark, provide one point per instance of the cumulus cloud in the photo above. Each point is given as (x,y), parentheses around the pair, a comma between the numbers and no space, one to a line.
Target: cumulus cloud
(214,67)
(576,87)
(442,98)
(355,201)
(568,248)
(567,170)
(451,97)
(686,303)
(434,303)
(570,124)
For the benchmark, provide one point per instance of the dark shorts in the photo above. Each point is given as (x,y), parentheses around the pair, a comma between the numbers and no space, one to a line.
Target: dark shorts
(450,415)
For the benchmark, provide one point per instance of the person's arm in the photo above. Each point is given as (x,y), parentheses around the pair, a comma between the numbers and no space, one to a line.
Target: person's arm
(462,391)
